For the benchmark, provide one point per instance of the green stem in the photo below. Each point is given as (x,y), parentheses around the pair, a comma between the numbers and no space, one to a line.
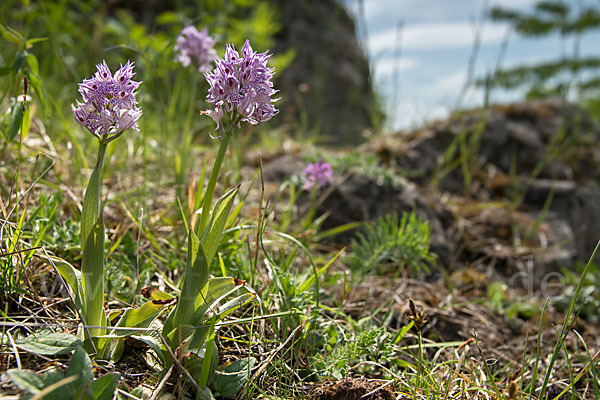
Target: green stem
(190,104)
(312,208)
(91,201)
(186,96)
(212,181)
(420,363)
(92,246)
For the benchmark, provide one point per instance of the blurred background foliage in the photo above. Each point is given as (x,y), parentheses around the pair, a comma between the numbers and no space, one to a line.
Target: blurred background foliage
(76,35)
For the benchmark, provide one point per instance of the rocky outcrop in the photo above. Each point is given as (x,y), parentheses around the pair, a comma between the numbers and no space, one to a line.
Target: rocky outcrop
(543,139)
(575,203)
(537,161)
(358,196)
(521,198)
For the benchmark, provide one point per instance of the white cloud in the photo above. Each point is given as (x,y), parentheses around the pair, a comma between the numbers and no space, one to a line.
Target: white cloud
(415,113)
(444,9)
(387,66)
(451,83)
(435,100)
(515,4)
(433,36)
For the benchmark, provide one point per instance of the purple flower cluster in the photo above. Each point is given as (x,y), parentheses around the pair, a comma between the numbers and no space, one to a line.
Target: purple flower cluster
(319,174)
(242,84)
(195,47)
(109,106)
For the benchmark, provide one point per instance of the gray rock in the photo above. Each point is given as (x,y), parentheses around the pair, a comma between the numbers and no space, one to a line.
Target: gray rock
(281,168)
(575,203)
(505,220)
(362,198)
(532,152)
(557,246)
(542,139)
(328,83)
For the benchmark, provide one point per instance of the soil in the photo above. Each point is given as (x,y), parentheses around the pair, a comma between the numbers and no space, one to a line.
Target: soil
(353,389)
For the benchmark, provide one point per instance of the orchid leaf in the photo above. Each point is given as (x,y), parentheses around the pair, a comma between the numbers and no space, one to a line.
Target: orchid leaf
(36,83)
(92,244)
(77,383)
(72,278)
(140,317)
(212,235)
(49,344)
(30,42)
(90,211)
(209,362)
(16,117)
(153,339)
(180,335)
(11,35)
(194,279)
(104,387)
(217,287)
(92,268)
(153,293)
(154,345)
(235,303)
(233,378)
(26,380)
(217,290)
(80,366)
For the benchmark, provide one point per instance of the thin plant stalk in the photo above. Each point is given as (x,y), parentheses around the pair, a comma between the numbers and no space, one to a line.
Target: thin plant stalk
(421,360)
(260,216)
(538,352)
(312,207)
(214,174)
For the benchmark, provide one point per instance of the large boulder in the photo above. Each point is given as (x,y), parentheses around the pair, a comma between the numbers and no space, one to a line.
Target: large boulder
(328,84)
(362,197)
(573,202)
(546,139)
(359,197)
(539,160)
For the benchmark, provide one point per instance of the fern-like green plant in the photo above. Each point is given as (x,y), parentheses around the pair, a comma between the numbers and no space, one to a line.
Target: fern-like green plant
(392,241)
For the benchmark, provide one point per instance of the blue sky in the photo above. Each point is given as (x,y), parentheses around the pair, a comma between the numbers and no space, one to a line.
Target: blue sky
(421,68)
